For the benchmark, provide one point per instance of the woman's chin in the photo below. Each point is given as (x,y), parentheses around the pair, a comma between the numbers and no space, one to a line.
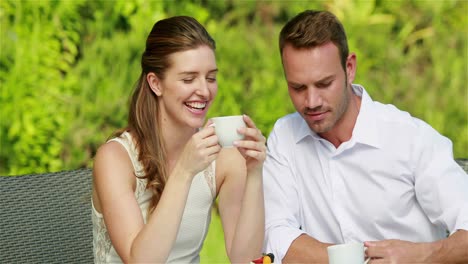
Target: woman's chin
(197,123)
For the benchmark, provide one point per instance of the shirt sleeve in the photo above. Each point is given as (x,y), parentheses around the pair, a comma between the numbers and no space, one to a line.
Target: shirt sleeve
(441,184)
(282,225)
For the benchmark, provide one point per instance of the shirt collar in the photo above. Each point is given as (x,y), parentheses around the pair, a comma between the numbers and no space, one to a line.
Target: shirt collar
(365,130)
(303,130)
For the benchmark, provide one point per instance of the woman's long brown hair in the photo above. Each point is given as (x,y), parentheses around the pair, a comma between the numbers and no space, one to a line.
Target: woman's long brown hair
(168,36)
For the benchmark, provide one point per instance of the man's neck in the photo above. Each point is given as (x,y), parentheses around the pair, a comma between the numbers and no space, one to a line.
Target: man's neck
(343,129)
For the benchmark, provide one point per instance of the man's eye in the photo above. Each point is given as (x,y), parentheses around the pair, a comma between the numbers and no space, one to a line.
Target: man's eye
(323,85)
(298,87)
(188,80)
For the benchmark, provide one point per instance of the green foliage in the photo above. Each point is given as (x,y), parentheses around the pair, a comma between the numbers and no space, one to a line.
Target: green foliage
(67,68)
(39,45)
(105,75)
(213,248)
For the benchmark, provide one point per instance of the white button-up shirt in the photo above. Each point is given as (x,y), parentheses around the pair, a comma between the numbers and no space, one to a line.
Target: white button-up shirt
(394,179)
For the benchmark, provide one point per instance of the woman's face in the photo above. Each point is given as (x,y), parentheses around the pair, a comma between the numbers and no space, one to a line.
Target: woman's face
(189,87)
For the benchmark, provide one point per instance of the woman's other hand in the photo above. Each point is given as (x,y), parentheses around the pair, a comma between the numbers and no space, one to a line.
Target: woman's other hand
(252,147)
(200,151)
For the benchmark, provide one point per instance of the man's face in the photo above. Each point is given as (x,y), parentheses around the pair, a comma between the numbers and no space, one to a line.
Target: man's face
(318,86)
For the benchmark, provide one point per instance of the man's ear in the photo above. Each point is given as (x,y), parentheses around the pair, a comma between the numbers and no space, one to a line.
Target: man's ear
(351,65)
(154,83)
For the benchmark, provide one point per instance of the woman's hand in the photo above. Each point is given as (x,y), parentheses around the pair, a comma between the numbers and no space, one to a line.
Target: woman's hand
(252,147)
(200,151)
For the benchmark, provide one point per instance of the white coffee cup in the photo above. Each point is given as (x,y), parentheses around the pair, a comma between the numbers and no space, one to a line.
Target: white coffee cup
(349,253)
(226,129)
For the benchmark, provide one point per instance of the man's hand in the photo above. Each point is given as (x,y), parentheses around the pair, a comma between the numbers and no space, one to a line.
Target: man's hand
(448,250)
(399,251)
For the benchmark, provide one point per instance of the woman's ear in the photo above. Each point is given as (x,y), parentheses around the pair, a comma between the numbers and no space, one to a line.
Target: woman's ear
(154,83)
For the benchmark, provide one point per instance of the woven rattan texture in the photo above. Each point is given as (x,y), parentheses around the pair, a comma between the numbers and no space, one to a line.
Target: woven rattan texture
(46,218)
(463,163)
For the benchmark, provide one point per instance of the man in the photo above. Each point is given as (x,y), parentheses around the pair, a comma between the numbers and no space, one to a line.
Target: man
(345,168)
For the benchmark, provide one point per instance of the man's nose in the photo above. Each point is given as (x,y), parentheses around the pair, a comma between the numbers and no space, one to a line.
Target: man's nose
(313,98)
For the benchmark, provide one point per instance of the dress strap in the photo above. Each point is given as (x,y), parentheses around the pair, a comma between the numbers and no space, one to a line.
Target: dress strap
(210,178)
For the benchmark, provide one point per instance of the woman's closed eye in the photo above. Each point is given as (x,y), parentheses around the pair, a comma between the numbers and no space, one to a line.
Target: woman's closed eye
(211,79)
(188,80)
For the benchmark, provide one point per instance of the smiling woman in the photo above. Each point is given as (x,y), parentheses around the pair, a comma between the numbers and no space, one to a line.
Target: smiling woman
(189,86)
(155,181)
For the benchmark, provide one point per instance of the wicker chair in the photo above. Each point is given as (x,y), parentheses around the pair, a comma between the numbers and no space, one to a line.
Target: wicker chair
(46,218)
(463,163)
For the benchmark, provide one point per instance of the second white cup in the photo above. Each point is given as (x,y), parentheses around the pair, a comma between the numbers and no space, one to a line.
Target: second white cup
(349,253)
(226,129)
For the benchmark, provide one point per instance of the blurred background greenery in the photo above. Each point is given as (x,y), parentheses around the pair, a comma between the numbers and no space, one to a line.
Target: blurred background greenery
(68,67)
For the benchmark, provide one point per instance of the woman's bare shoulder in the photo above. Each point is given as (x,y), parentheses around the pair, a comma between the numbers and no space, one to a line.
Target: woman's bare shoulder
(112,159)
(112,173)
(111,151)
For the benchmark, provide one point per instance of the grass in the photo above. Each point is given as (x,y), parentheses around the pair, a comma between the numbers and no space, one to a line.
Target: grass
(213,249)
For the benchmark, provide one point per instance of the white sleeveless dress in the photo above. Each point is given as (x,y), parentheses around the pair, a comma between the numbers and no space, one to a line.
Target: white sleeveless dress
(195,220)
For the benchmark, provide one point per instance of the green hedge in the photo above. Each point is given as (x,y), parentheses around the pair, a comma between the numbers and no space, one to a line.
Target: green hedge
(67,67)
